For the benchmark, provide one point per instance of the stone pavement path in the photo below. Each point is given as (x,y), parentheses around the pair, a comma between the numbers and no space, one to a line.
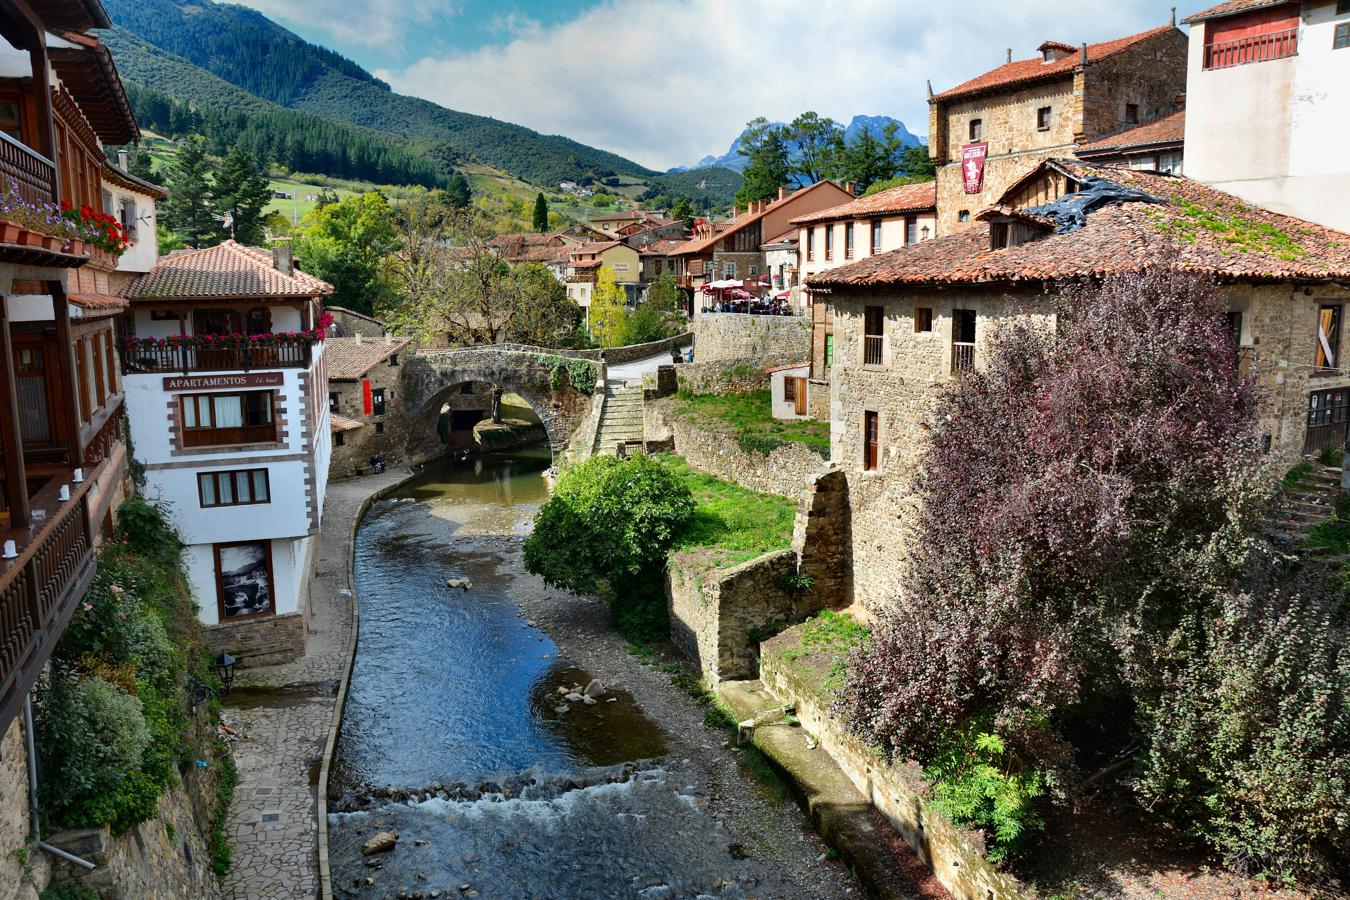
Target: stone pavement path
(284,713)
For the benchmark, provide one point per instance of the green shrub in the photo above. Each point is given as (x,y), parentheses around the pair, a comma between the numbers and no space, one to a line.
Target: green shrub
(229,777)
(976,781)
(145,526)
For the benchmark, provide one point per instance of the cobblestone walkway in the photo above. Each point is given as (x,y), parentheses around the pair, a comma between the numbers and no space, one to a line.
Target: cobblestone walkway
(283,713)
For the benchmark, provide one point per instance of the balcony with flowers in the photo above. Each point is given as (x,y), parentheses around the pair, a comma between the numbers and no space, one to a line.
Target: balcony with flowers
(214,351)
(38,232)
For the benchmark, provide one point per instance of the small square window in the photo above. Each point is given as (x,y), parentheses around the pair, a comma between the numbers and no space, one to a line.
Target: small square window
(379,428)
(976,129)
(963,216)
(1341,38)
(1132,113)
(337,439)
(1043,119)
(393,360)
(923,318)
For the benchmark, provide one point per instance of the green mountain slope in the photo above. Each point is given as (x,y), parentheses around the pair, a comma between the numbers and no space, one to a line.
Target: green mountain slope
(246,49)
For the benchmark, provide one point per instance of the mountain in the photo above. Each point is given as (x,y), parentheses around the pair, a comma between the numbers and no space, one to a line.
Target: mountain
(246,49)
(732,159)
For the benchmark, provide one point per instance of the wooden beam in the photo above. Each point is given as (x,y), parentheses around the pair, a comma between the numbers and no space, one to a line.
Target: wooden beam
(16,481)
(42,90)
(65,348)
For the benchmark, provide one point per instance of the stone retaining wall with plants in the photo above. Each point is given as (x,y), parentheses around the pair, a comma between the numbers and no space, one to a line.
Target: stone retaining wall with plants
(762,341)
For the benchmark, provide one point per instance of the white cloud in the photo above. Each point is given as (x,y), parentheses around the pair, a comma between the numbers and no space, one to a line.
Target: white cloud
(666,81)
(367,23)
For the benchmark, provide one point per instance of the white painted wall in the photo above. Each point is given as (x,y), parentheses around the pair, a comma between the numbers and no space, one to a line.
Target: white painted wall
(781,408)
(142,255)
(288,559)
(284,318)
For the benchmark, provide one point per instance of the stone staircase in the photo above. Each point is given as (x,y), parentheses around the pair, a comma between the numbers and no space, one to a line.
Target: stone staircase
(620,418)
(1304,504)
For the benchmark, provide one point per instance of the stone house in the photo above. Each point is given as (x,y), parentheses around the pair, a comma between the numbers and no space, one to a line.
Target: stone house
(364,400)
(349,323)
(1267,88)
(909,322)
(656,260)
(1157,144)
(986,133)
(858,229)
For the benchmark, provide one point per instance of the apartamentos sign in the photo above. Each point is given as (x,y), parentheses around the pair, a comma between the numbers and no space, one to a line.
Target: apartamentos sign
(221,382)
(972,165)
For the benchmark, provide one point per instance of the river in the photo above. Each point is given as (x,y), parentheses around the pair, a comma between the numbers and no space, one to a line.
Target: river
(456,732)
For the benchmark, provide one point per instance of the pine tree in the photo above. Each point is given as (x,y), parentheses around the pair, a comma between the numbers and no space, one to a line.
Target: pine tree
(242,192)
(187,212)
(540,213)
(457,191)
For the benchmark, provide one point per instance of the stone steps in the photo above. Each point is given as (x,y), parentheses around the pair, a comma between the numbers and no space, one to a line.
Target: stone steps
(621,418)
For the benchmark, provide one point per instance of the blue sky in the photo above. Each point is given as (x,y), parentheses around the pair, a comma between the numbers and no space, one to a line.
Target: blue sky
(665,82)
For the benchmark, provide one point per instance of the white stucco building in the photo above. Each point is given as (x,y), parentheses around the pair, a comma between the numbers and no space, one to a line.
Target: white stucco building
(227,394)
(1267,95)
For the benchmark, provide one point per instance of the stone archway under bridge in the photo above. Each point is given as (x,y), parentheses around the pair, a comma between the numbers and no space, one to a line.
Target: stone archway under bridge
(558,388)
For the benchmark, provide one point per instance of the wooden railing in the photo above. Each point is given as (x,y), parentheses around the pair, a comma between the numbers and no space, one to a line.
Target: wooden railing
(963,357)
(39,588)
(1253,48)
(872,349)
(101,445)
(31,173)
(142,360)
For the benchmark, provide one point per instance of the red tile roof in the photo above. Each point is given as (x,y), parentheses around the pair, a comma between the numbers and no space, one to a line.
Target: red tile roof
(595,246)
(342,423)
(1232,7)
(1197,228)
(102,304)
(224,271)
(1025,71)
(1168,129)
(349,358)
(902,199)
(726,229)
(660,247)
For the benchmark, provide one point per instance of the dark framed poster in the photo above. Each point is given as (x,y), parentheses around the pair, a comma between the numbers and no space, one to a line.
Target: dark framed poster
(244,584)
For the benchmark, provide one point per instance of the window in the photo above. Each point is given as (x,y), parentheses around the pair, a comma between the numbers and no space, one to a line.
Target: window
(128,217)
(963,340)
(963,216)
(1131,113)
(1340,39)
(1170,162)
(11,120)
(1328,339)
(334,402)
(829,350)
(241,487)
(377,402)
(393,359)
(337,439)
(213,420)
(379,428)
(871,440)
(998,235)
(1043,119)
(923,318)
(244,579)
(848,240)
(876,236)
(810,244)
(911,230)
(976,129)
(829,242)
(108,205)
(789,389)
(873,325)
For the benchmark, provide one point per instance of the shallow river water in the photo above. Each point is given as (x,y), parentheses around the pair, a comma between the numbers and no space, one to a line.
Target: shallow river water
(456,735)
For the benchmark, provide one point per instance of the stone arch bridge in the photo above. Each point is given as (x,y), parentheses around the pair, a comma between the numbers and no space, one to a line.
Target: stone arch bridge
(558,388)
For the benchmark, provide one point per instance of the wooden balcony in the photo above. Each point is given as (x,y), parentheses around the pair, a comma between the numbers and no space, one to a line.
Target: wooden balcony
(149,360)
(963,357)
(41,585)
(1252,48)
(873,345)
(31,173)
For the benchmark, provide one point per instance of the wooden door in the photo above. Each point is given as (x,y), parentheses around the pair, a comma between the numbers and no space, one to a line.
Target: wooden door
(871,440)
(799,407)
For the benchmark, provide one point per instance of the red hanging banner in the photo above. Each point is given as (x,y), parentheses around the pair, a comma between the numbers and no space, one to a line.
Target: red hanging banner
(366,405)
(972,165)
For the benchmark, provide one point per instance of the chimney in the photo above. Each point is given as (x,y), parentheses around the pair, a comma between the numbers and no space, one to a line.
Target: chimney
(1082,60)
(735,210)
(1009,54)
(782,192)
(122,160)
(851,187)
(282,260)
(1173,23)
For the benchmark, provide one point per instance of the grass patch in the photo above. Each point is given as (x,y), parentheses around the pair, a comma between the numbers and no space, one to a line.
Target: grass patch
(832,633)
(1295,476)
(735,523)
(1334,532)
(1330,456)
(749,418)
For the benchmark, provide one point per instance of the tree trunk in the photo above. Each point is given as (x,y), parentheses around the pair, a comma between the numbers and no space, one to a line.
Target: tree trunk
(496,406)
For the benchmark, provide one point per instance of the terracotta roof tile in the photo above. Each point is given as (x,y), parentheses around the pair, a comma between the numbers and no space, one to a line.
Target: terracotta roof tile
(660,247)
(342,423)
(348,357)
(1197,228)
(1024,71)
(905,198)
(100,302)
(726,229)
(223,271)
(1230,8)
(1167,129)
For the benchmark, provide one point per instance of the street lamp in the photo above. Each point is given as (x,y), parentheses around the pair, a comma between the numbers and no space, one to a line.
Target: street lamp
(224,669)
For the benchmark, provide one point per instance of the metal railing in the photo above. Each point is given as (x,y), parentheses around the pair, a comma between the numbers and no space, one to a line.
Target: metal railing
(872,349)
(963,357)
(1253,48)
(39,587)
(139,360)
(32,174)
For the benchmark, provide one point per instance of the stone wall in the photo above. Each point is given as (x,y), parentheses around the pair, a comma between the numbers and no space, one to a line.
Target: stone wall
(613,355)
(265,641)
(721,377)
(718,616)
(350,323)
(784,471)
(762,341)
(15,822)
(897,790)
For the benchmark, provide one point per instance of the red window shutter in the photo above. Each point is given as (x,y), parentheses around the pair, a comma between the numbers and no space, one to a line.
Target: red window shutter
(366,404)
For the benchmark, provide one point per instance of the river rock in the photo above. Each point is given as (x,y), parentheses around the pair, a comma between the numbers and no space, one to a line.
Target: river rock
(588,700)
(462,583)
(380,843)
(595,689)
(573,697)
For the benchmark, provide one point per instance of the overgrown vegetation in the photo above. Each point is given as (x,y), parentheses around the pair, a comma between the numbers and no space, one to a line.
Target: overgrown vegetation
(1088,587)
(748,417)
(565,370)
(833,634)
(1245,235)
(221,853)
(734,524)
(111,718)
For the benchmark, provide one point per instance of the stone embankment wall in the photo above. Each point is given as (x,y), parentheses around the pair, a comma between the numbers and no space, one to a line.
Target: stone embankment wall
(761,341)
(785,471)
(897,790)
(719,616)
(15,822)
(721,378)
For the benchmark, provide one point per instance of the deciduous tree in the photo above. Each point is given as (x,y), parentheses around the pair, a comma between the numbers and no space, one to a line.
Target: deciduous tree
(766,154)
(607,312)
(344,243)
